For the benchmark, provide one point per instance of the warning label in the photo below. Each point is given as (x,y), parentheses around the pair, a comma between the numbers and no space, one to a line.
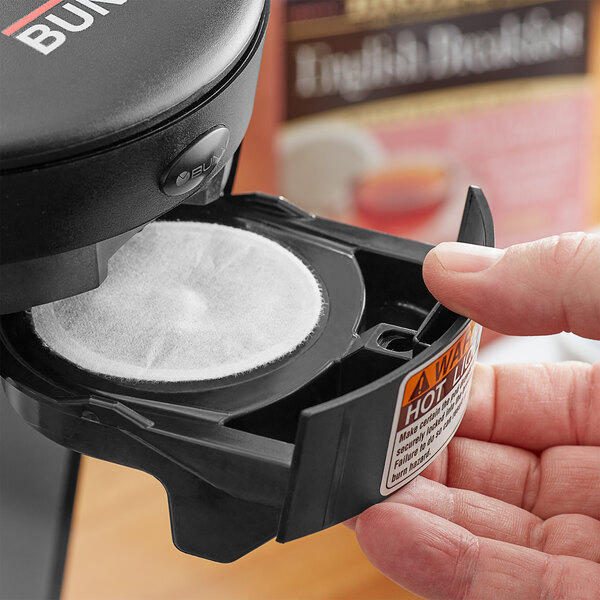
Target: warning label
(431,403)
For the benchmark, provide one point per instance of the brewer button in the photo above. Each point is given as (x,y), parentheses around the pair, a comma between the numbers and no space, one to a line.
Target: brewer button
(195,164)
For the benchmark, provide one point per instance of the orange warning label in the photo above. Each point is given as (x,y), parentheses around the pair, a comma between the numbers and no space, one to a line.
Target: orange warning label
(431,404)
(423,381)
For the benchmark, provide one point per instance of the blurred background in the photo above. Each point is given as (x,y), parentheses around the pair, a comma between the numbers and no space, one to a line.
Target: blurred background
(378,113)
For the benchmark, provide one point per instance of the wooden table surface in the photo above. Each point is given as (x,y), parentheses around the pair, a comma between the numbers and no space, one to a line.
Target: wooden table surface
(121,548)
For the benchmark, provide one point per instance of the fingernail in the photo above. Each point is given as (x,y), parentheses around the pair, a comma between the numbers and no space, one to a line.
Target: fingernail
(467,258)
(409,494)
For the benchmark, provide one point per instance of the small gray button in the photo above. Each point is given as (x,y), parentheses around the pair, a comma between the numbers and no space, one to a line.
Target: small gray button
(194,165)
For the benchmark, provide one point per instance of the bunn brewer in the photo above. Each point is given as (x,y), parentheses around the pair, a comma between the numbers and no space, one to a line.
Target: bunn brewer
(119,113)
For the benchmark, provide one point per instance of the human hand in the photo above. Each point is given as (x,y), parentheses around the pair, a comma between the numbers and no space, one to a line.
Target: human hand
(511,509)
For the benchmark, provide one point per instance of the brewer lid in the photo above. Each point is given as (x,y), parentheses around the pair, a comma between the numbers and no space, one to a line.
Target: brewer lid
(82,74)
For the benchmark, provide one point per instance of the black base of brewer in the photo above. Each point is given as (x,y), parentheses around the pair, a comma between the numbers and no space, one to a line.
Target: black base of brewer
(285,450)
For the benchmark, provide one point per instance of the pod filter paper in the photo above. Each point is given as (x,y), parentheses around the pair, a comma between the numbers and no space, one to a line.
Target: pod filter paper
(187,302)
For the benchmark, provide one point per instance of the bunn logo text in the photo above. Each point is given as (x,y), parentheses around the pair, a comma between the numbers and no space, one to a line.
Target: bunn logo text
(46,28)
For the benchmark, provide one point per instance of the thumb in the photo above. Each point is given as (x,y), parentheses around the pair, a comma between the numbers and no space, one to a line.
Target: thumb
(541,287)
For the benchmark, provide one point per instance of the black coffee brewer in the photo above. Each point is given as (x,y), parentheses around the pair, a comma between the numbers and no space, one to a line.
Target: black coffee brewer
(117,113)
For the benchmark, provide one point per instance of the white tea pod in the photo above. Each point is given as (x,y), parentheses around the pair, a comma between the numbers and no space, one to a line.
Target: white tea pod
(187,302)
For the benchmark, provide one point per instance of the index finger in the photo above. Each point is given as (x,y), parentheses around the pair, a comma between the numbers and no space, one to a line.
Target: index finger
(534,406)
